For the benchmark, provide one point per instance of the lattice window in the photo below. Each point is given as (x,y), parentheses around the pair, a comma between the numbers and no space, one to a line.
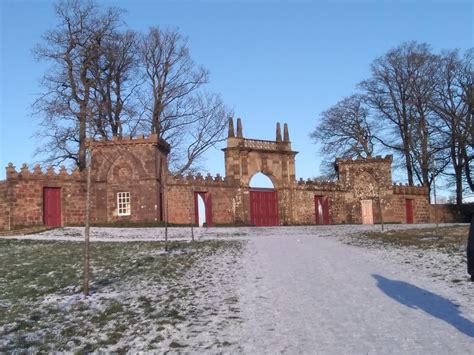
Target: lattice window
(123,203)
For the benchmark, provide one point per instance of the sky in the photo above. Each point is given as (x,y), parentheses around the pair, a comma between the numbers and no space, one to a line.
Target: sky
(272,61)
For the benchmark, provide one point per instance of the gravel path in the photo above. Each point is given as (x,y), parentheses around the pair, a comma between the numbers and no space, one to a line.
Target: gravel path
(306,295)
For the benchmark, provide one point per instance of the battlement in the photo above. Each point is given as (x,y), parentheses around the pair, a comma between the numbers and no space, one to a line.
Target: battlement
(310,184)
(401,189)
(369,159)
(129,140)
(37,173)
(238,141)
(200,180)
(258,144)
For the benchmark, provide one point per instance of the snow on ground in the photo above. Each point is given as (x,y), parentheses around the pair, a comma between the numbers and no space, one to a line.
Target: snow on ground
(283,290)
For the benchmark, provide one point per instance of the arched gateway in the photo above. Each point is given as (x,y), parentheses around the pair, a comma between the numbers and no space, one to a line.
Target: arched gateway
(245,158)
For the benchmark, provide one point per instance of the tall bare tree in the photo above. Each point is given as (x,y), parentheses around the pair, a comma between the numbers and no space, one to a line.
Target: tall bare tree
(116,82)
(453,78)
(400,91)
(344,130)
(179,111)
(72,47)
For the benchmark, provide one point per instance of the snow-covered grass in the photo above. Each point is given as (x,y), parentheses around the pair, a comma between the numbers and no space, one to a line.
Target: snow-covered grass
(142,298)
(324,289)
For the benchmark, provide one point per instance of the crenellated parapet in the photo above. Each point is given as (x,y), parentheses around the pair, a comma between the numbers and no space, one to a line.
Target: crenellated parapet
(318,185)
(39,174)
(129,140)
(368,159)
(406,189)
(200,180)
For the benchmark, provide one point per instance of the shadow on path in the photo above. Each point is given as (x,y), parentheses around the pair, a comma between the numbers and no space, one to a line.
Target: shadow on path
(419,298)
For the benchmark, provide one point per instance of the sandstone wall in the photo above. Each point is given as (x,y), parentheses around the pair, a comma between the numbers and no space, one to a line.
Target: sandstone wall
(25,195)
(181,199)
(4,207)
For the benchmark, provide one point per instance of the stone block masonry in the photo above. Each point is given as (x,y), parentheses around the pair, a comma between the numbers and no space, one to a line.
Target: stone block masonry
(131,183)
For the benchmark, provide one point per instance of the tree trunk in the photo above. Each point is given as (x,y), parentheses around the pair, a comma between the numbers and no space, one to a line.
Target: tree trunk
(82,140)
(87,228)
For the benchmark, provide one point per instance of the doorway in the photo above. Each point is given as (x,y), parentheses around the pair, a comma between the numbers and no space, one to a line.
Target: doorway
(52,206)
(321,206)
(203,209)
(263,201)
(409,211)
(367,212)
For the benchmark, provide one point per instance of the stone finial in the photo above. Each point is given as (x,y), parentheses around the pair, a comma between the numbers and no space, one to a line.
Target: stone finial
(63,171)
(24,169)
(239,128)
(278,133)
(10,169)
(37,170)
(286,134)
(50,171)
(231,133)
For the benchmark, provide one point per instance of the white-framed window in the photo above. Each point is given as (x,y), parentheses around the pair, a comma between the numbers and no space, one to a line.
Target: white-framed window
(123,203)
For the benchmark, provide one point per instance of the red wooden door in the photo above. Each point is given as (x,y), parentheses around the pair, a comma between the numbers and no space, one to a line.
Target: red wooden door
(264,207)
(52,206)
(321,204)
(409,211)
(207,198)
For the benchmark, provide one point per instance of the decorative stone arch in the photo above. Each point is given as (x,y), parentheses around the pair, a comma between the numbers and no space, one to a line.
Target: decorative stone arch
(266,174)
(122,171)
(246,157)
(107,161)
(365,186)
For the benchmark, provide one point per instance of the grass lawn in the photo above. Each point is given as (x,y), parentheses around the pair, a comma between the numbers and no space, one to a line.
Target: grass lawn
(139,294)
(446,238)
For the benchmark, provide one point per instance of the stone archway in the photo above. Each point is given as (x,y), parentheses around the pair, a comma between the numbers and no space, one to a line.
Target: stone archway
(246,157)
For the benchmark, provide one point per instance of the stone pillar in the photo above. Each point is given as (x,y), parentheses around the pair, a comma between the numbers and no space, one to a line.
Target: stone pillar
(239,128)
(231,133)
(278,133)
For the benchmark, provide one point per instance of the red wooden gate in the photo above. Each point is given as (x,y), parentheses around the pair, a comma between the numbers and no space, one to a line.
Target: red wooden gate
(52,206)
(207,198)
(409,211)
(321,204)
(264,207)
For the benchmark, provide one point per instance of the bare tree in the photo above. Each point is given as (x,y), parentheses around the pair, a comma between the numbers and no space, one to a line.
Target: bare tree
(400,91)
(116,81)
(344,130)
(178,110)
(452,83)
(72,47)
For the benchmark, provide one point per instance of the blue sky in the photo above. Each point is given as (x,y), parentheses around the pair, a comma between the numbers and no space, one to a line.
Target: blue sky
(271,60)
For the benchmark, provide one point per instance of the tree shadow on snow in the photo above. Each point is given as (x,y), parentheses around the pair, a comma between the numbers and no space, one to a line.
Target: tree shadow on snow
(419,298)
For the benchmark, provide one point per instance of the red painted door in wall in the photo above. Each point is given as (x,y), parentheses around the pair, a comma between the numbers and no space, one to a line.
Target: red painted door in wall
(52,206)
(264,207)
(409,211)
(207,199)
(321,204)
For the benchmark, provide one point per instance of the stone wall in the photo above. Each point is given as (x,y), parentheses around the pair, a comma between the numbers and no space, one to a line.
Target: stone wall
(139,166)
(24,195)
(122,165)
(129,165)
(4,207)
(181,198)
